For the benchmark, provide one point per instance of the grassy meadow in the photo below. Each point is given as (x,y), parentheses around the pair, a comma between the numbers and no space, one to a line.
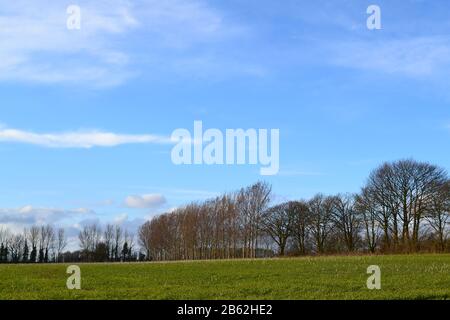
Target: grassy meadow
(340,277)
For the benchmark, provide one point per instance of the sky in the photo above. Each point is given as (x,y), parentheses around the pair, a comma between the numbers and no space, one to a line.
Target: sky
(86,114)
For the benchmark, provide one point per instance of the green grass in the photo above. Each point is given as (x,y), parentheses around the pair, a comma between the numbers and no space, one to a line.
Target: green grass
(403,277)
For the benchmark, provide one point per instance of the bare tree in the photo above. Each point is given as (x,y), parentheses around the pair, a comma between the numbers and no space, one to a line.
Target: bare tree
(5,240)
(16,247)
(117,242)
(277,222)
(301,225)
(145,238)
(129,240)
(403,192)
(33,238)
(385,204)
(438,216)
(5,235)
(321,209)
(89,238)
(252,202)
(365,204)
(347,219)
(61,243)
(108,237)
(46,240)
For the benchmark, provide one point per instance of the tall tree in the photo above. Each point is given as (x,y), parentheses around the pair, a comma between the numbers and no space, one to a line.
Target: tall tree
(347,219)
(25,252)
(125,251)
(145,238)
(300,225)
(438,216)
(108,237)
(33,238)
(61,243)
(89,238)
(16,248)
(252,203)
(365,204)
(321,208)
(117,242)
(404,190)
(277,222)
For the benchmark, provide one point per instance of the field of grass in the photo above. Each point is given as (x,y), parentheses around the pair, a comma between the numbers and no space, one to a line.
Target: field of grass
(403,277)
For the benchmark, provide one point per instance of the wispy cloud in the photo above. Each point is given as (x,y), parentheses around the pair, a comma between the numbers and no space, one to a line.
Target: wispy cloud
(18,218)
(146,201)
(37,47)
(413,57)
(72,220)
(77,139)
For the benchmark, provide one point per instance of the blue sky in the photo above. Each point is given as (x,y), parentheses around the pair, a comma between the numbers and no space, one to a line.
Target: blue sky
(345,99)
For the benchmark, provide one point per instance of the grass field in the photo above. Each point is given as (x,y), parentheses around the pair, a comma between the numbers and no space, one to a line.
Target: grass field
(403,277)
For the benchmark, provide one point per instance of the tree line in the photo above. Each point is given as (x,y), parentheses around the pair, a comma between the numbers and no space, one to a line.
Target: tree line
(45,244)
(403,207)
(37,244)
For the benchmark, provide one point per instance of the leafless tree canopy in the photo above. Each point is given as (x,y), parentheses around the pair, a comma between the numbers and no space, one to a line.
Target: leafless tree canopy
(403,207)
(403,194)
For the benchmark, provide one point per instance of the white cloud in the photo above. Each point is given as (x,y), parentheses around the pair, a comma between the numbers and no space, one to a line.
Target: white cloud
(77,139)
(18,218)
(37,46)
(120,219)
(14,220)
(414,57)
(45,51)
(147,201)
